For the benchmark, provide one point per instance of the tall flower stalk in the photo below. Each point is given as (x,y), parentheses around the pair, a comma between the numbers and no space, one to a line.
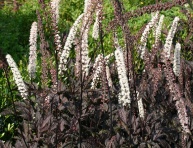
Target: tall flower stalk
(87,20)
(144,36)
(33,49)
(17,77)
(98,67)
(169,39)
(95,32)
(140,107)
(54,4)
(68,45)
(176,65)
(124,96)
(55,8)
(158,29)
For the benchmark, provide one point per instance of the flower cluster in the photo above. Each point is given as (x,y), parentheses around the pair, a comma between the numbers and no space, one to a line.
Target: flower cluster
(84,53)
(54,4)
(68,45)
(55,8)
(33,48)
(124,96)
(158,29)
(176,64)
(182,115)
(169,39)
(178,98)
(17,77)
(146,32)
(95,32)
(140,107)
(57,41)
(87,20)
(107,69)
(98,66)
(110,82)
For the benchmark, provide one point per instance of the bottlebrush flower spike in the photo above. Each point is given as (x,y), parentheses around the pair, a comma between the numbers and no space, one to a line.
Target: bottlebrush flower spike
(54,22)
(176,64)
(17,77)
(95,33)
(124,96)
(110,82)
(182,115)
(158,29)
(87,20)
(144,36)
(33,49)
(98,67)
(140,107)
(169,39)
(68,45)
(55,8)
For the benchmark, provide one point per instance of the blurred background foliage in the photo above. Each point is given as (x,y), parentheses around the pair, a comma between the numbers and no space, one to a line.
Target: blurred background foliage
(15,24)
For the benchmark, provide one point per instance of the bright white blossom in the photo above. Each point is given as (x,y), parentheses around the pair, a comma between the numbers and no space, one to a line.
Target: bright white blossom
(158,29)
(95,33)
(57,41)
(110,82)
(87,20)
(84,55)
(144,36)
(176,64)
(140,107)
(17,77)
(98,66)
(55,8)
(33,49)
(169,39)
(124,96)
(68,45)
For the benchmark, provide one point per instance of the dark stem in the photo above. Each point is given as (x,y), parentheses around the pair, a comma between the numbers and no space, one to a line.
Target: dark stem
(81,94)
(14,108)
(105,76)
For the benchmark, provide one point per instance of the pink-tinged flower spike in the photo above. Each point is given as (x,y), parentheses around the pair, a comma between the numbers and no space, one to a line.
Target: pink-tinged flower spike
(169,39)
(182,115)
(17,77)
(140,107)
(68,45)
(95,32)
(158,29)
(176,64)
(55,9)
(144,36)
(33,49)
(124,96)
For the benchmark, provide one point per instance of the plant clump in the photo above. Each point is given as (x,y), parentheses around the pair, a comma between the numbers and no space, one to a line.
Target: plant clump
(107,100)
